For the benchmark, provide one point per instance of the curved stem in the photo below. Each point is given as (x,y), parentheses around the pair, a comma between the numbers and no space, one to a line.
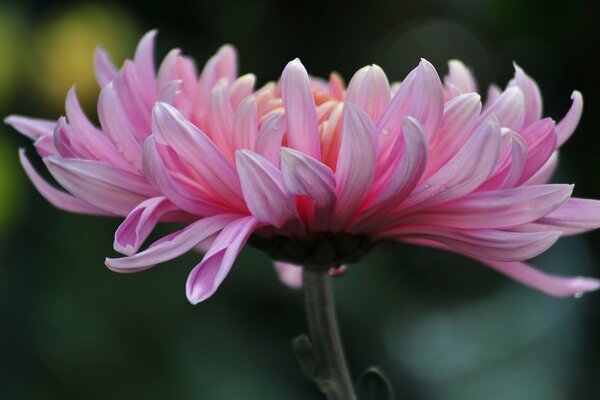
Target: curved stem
(332,369)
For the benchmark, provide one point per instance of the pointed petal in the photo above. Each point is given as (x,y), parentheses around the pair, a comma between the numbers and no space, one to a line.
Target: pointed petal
(144,63)
(573,217)
(369,90)
(305,176)
(207,276)
(289,274)
(139,224)
(554,285)
(356,165)
(300,110)
(241,88)
(245,126)
(101,185)
(171,246)
(509,108)
(566,127)
(56,197)
(223,65)
(33,128)
(541,143)
(270,135)
(531,95)
(262,185)
(545,172)
(221,119)
(103,67)
(496,209)
(460,77)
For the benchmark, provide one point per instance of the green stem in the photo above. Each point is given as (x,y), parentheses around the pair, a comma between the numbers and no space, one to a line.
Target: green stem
(333,376)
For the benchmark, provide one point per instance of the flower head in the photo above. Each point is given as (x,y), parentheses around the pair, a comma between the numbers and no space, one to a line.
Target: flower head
(314,173)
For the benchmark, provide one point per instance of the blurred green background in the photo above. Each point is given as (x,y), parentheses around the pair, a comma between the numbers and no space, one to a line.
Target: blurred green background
(443,327)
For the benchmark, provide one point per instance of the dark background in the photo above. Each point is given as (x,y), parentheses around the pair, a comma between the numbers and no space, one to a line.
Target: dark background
(441,326)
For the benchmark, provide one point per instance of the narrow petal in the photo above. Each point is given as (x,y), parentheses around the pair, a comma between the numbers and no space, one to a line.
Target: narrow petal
(554,285)
(144,63)
(531,95)
(245,126)
(573,217)
(460,77)
(509,108)
(221,119)
(139,224)
(241,88)
(356,165)
(262,185)
(103,67)
(289,274)
(300,110)
(171,246)
(369,90)
(541,143)
(56,197)
(101,185)
(33,128)
(566,127)
(496,209)
(305,176)
(207,276)
(223,65)
(270,135)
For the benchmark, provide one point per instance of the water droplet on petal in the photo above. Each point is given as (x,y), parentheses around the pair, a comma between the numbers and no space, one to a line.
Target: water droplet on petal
(578,295)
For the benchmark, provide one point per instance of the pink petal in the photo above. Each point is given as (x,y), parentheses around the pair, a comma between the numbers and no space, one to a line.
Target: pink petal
(221,118)
(573,217)
(144,63)
(241,88)
(492,94)
(541,143)
(460,77)
(207,276)
(223,65)
(566,127)
(57,198)
(369,90)
(101,185)
(509,108)
(135,101)
(139,224)
(511,162)
(496,209)
(245,126)
(460,115)
(356,165)
(305,176)
(554,285)
(270,135)
(262,185)
(171,246)
(531,95)
(300,110)
(103,67)
(33,128)
(289,274)
(198,152)
(545,172)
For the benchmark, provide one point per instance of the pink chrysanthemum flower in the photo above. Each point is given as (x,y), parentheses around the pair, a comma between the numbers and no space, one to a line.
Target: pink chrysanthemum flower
(319,176)
(312,173)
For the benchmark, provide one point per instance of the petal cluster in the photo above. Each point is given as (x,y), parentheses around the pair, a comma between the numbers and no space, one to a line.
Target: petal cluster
(311,168)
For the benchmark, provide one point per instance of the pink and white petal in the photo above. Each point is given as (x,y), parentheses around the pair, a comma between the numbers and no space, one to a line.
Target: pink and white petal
(573,217)
(110,189)
(169,92)
(511,162)
(545,172)
(462,174)
(45,146)
(492,94)
(554,285)
(33,128)
(221,119)
(541,143)
(496,209)
(300,110)
(241,88)
(172,245)
(104,68)
(369,90)
(270,136)
(56,197)
(289,274)
(531,95)
(305,176)
(201,154)
(460,77)
(137,105)
(223,65)
(144,64)
(460,115)
(264,191)
(488,244)
(156,172)
(356,165)
(566,127)
(509,108)
(207,276)
(140,222)
(245,126)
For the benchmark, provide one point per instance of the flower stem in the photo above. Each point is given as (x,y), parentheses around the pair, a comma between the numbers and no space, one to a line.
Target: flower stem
(333,376)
